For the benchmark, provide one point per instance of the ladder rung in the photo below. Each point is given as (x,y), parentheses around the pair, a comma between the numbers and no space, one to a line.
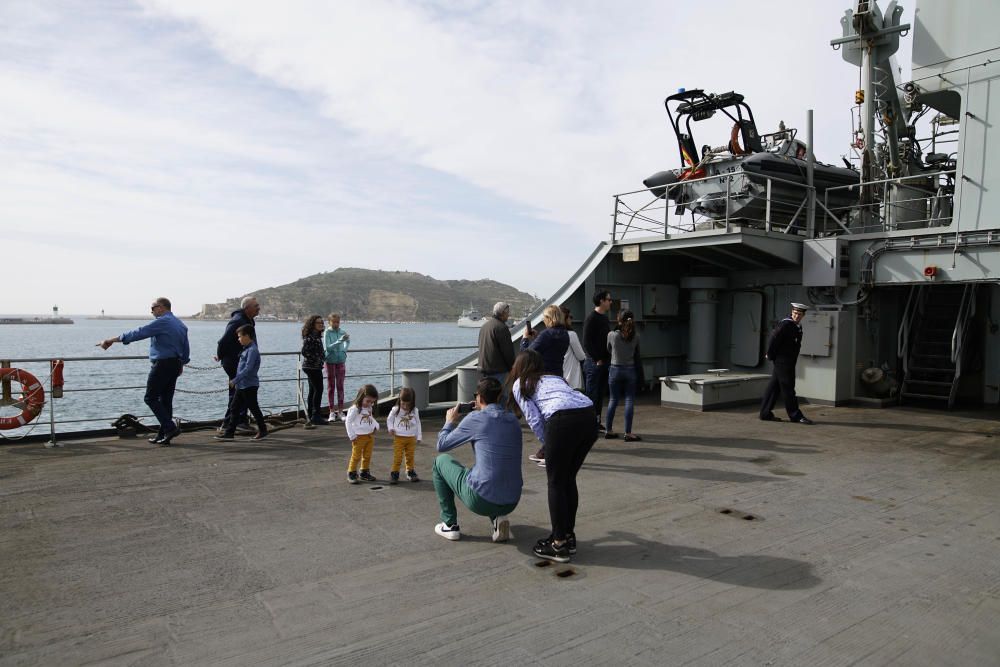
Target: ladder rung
(937,397)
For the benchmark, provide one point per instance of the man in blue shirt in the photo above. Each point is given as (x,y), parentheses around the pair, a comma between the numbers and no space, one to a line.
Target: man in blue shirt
(492,487)
(168,352)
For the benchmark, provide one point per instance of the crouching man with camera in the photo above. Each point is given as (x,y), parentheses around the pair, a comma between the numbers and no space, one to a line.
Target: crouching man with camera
(492,487)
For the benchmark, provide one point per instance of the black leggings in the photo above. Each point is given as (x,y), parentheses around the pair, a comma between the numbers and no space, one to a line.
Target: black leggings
(569,435)
(315,398)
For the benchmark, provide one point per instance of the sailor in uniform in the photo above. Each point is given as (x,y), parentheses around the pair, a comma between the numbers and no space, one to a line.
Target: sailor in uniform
(783,351)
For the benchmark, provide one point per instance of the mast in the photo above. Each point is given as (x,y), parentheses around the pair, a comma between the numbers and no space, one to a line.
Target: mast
(870,41)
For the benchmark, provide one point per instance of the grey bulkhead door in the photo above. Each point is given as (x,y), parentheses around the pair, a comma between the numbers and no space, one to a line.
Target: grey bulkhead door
(748,313)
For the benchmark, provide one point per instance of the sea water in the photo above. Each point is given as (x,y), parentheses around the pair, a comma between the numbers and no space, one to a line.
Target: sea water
(89,402)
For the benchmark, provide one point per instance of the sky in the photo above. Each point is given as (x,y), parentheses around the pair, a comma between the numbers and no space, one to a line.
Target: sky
(203,150)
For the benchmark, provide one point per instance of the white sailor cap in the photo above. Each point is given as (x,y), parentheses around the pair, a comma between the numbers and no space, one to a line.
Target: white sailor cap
(800,306)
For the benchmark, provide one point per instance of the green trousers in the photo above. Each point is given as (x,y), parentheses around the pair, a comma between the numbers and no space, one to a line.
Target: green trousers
(449,481)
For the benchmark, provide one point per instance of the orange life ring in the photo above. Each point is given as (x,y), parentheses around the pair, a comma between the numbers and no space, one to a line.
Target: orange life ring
(32,397)
(734,141)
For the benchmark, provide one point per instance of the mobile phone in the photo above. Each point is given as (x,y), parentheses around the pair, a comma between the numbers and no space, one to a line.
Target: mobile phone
(466,407)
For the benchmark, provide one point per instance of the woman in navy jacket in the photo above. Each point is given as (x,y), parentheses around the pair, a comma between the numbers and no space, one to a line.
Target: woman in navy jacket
(551,342)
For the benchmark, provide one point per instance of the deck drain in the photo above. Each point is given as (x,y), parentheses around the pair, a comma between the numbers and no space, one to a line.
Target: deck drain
(736,514)
(542,563)
(562,574)
(374,488)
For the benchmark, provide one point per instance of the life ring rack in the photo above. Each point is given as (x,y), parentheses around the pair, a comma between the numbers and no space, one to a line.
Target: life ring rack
(31,401)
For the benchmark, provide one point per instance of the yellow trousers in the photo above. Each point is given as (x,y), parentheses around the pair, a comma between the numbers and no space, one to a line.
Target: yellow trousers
(403,444)
(361,452)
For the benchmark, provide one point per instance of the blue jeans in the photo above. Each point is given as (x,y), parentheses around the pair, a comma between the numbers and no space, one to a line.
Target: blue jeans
(160,391)
(623,384)
(595,379)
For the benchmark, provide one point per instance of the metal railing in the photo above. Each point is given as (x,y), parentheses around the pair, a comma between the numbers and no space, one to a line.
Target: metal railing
(902,203)
(392,372)
(737,198)
(771,203)
(966,311)
(914,309)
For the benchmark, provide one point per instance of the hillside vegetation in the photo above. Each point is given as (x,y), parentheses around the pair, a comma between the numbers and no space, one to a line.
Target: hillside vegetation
(364,294)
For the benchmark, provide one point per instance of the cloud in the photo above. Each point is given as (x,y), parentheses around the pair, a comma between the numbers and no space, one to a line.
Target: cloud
(226,146)
(550,104)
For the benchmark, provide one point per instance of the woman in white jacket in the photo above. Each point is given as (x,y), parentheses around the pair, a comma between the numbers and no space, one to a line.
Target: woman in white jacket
(572,371)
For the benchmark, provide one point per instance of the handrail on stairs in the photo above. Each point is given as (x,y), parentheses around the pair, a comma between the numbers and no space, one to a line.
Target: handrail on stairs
(914,303)
(957,335)
(966,310)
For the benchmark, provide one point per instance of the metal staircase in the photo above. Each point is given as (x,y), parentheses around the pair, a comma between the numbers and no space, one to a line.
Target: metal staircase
(932,338)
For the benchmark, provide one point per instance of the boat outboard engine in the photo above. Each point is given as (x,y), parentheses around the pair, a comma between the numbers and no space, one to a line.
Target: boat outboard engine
(658,183)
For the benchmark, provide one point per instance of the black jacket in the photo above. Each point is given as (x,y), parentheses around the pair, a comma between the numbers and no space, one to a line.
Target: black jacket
(313,352)
(496,349)
(785,342)
(596,328)
(228,349)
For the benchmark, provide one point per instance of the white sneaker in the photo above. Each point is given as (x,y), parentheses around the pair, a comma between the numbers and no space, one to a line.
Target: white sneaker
(501,529)
(334,417)
(448,533)
(343,415)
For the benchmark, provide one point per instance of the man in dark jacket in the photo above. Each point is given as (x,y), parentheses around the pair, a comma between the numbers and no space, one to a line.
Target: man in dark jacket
(496,348)
(783,350)
(228,351)
(595,345)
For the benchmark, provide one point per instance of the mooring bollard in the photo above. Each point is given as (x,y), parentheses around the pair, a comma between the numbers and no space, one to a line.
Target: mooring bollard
(468,379)
(419,380)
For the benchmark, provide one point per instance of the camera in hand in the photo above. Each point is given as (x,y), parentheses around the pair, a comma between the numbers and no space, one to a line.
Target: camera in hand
(466,407)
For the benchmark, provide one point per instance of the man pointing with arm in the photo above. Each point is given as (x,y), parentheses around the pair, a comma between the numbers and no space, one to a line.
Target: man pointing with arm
(169,350)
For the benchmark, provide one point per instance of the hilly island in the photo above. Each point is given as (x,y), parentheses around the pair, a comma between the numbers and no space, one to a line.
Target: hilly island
(390,296)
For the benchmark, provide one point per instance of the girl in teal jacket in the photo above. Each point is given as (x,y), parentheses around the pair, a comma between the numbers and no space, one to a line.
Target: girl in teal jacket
(336,341)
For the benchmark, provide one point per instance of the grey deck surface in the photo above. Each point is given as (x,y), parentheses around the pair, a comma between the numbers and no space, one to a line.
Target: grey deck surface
(875,541)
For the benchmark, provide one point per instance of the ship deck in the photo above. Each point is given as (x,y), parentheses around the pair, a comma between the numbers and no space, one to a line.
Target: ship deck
(870,538)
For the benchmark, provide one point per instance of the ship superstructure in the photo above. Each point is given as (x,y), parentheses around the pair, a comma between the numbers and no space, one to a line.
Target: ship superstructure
(897,248)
